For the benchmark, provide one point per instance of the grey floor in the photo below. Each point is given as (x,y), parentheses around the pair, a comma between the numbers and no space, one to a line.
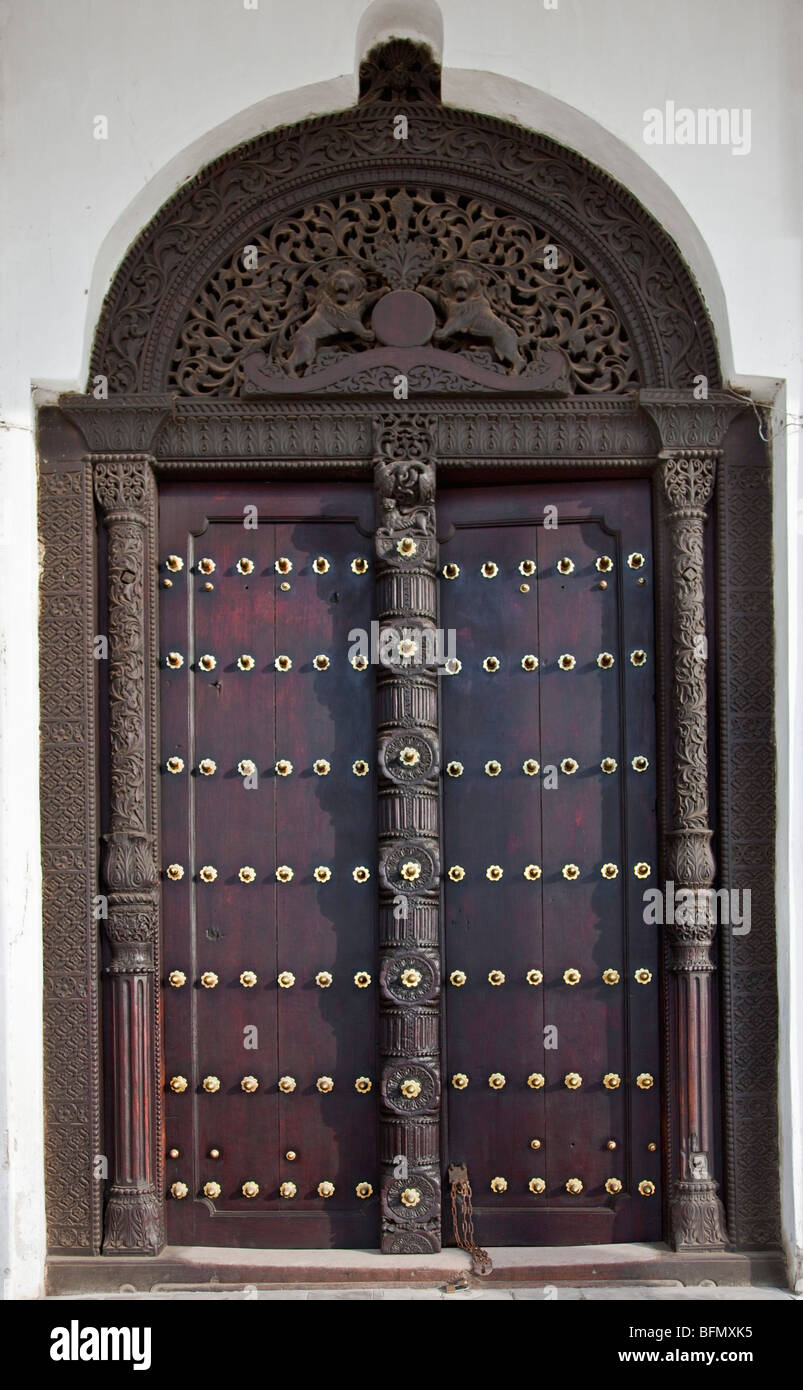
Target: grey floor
(662,1292)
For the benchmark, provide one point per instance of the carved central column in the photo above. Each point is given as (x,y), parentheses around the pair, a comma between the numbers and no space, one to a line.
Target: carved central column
(133,1220)
(409,869)
(696,1214)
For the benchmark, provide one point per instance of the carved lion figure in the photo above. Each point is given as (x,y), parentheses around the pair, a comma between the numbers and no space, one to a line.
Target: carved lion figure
(466,309)
(339,308)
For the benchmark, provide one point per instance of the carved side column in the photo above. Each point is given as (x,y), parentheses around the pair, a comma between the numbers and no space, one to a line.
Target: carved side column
(697,1219)
(133,1220)
(409,867)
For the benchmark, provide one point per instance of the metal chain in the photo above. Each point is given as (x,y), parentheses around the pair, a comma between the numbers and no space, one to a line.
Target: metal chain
(481,1260)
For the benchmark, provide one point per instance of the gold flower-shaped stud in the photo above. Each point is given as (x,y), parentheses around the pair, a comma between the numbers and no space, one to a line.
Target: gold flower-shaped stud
(321,767)
(323,979)
(207,767)
(208,873)
(359,662)
(571,872)
(322,873)
(458,978)
(569,766)
(249,1084)
(285,979)
(360,874)
(174,872)
(536,1081)
(638,657)
(493,768)
(321,565)
(565,565)
(644,1081)
(325,1084)
(246,662)
(532,872)
(211,1084)
(250,1189)
(635,560)
(537,1186)
(178,1084)
(534,977)
(639,763)
(571,976)
(244,565)
(529,662)
(174,660)
(321,662)
(288,1190)
(643,976)
(246,767)
(174,563)
(207,662)
(489,570)
(247,874)
(566,662)
(360,565)
(530,767)
(575,1186)
(454,769)
(406,547)
(211,1189)
(410,870)
(460,1081)
(206,566)
(494,873)
(248,979)
(410,757)
(362,979)
(450,571)
(410,1088)
(609,871)
(496,977)
(612,1186)
(175,764)
(363,1190)
(363,1084)
(287,1084)
(604,564)
(527,567)
(177,978)
(608,765)
(360,768)
(610,977)
(283,663)
(646,1188)
(572,1081)
(209,979)
(499,1184)
(179,1190)
(452,666)
(642,870)
(496,1080)
(457,873)
(410,1197)
(611,1081)
(605,661)
(284,873)
(410,978)
(491,663)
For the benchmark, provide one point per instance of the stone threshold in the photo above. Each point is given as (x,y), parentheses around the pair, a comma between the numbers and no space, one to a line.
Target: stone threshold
(199,1266)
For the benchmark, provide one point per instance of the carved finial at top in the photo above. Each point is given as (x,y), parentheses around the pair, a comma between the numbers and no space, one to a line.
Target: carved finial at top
(400,70)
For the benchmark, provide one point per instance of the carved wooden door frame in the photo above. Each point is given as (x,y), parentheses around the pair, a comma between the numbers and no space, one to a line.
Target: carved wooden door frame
(521,415)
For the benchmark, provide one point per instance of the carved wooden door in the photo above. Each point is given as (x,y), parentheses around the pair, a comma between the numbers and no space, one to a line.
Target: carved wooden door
(269,881)
(551,1067)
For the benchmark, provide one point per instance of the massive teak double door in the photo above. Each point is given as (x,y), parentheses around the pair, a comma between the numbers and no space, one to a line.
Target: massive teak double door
(549,1044)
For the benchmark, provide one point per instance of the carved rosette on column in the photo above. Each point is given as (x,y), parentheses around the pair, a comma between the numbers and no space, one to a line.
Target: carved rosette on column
(133,1220)
(409,868)
(697,1219)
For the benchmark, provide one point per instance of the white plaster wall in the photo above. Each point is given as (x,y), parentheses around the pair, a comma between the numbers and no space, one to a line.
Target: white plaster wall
(182,80)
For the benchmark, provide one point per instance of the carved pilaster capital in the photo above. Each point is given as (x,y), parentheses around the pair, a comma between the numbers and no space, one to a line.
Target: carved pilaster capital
(134,1222)
(129,864)
(685,424)
(689,858)
(122,485)
(687,480)
(404,478)
(697,1216)
(119,424)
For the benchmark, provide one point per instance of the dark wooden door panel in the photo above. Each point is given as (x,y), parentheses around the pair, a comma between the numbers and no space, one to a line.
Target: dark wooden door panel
(304,821)
(541,824)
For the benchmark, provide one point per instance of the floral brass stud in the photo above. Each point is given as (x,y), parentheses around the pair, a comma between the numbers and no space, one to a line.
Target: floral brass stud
(324,1084)
(458,978)
(608,765)
(283,663)
(566,662)
(410,1197)
(450,571)
(499,1184)
(244,565)
(609,871)
(489,570)
(569,766)
(285,979)
(612,1186)
(174,660)
(493,768)
(496,977)
(179,1190)
(646,1188)
(359,565)
(177,978)
(360,768)
(282,565)
(284,873)
(570,872)
(491,663)
(529,662)
(407,648)
(362,979)
(321,767)
(638,657)
(610,977)
(410,757)
(532,872)
(527,568)
(321,662)
(605,661)
(452,667)
(174,563)
(565,565)
(530,767)
(363,1084)
(246,767)
(604,564)
(410,1088)
(573,1081)
(642,870)
(536,1081)
(534,977)
(410,978)
(209,979)
(249,1084)
(639,763)
(206,566)
(246,662)
(207,662)
(645,1081)
(611,1081)
(211,1189)
(211,1084)
(496,1080)
(406,547)
(537,1186)
(410,870)
(207,767)
(322,873)
(642,976)
(571,976)
(359,662)
(574,1186)
(287,1084)
(247,874)
(323,979)
(288,1190)
(250,1189)
(178,1084)
(363,1190)
(175,764)
(321,565)
(460,1081)
(494,872)
(248,979)
(454,769)
(360,874)
(635,560)
(174,872)
(457,873)
(208,873)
